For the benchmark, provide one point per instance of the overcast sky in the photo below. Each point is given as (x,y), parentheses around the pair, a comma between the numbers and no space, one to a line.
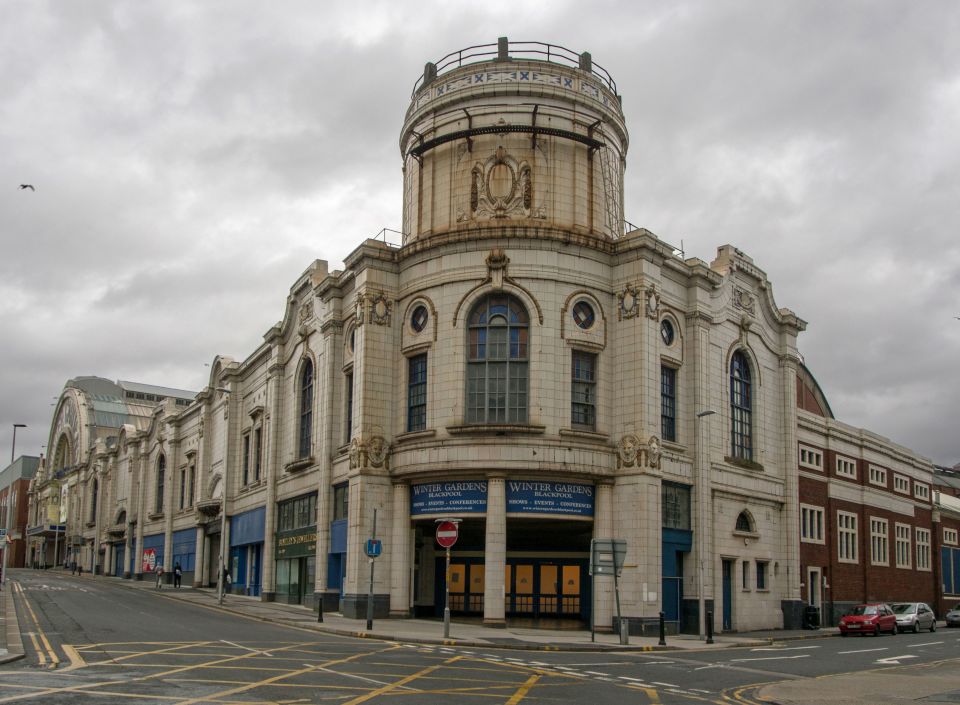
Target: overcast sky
(192,158)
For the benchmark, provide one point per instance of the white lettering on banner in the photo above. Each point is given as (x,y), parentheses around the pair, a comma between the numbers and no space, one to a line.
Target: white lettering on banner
(448,489)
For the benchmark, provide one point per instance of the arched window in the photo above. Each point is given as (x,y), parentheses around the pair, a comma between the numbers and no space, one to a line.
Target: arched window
(497,354)
(741,405)
(161,471)
(743,523)
(306,408)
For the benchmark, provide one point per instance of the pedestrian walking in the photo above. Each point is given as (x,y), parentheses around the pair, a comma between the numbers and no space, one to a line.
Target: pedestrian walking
(79,570)
(159,576)
(177,574)
(226,580)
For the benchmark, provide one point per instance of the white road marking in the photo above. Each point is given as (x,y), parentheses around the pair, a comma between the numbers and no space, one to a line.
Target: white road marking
(699,690)
(637,680)
(894,659)
(246,648)
(594,673)
(665,685)
(785,648)
(928,643)
(861,651)
(712,665)
(771,658)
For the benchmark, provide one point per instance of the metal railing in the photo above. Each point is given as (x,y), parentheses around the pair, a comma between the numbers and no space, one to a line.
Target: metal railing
(511,51)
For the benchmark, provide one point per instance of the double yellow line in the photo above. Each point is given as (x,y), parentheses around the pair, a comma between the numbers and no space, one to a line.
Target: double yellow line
(48,657)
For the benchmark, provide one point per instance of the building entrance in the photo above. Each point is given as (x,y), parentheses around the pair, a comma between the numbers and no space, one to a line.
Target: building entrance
(545,588)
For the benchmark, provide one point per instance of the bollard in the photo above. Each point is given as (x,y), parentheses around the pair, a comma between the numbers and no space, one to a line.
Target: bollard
(663,630)
(320,609)
(624,631)
(709,627)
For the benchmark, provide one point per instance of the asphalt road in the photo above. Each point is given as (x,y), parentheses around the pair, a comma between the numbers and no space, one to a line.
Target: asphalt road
(100,643)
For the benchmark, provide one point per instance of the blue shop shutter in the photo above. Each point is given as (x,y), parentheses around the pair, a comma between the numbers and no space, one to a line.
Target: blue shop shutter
(248,527)
(156,543)
(184,548)
(338,536)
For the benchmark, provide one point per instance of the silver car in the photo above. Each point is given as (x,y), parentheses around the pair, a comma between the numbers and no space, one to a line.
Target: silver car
(914,616)
(953,617)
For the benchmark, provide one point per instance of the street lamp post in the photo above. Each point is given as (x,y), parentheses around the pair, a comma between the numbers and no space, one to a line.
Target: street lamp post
(702,460)
(7,545)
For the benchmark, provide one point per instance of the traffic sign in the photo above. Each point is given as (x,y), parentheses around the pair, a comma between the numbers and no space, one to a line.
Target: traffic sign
(373,548)
(607,556)
(447,533)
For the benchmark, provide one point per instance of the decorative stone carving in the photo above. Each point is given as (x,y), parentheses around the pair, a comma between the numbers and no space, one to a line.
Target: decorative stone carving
(374,308)
(743,299)
(627,449)
(380,309)
(632,452)
(497,262)
(501,187)
(653,453)
(373,453)
(306,311)
(628,302)
(653,303)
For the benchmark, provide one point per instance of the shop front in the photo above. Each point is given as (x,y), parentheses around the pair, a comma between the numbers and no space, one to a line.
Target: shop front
(296,549)
(545,553)
(184,546)
(246,551)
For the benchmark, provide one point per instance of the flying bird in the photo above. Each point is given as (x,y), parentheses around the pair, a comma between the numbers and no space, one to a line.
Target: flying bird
(24,187)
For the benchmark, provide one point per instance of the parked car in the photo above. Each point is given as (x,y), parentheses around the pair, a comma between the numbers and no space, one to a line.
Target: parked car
(870,618)
(914,616)
(953,617)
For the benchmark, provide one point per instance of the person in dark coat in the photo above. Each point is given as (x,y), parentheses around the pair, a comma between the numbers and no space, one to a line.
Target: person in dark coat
(177,574)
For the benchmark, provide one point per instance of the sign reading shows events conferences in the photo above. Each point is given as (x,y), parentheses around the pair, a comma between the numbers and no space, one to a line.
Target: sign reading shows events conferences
(536,497)
(457,497)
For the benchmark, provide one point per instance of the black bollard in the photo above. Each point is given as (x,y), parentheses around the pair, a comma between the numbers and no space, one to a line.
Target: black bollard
(709,627)
(320,609)
(663,630)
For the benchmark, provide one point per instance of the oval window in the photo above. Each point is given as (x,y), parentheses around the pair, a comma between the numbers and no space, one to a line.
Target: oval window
(583,315)
(418,319)
(666,332)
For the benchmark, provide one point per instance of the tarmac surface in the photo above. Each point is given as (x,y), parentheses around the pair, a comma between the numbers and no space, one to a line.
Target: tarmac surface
(930,683)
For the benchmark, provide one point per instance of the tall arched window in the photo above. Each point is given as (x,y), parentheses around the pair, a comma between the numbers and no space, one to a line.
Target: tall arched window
(161,471)
(497,354)
(741,407)
(306,408)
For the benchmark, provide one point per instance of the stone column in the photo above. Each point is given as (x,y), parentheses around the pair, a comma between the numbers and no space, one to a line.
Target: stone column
(603,587)
(495,552)
(127,547)
(108,558)
(271,467)
(169,509)
(141,512)
(205,568)
(200,557)
(400,551)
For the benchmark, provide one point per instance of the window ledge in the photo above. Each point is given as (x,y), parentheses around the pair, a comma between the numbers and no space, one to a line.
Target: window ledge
(91,524)
(743,463)
(746,534)
(152,516)
(674,446)
(495,429)
(298,464)
(415,435)
(586,435)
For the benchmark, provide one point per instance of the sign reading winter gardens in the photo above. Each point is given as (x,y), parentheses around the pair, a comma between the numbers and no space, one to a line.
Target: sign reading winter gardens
(523,497)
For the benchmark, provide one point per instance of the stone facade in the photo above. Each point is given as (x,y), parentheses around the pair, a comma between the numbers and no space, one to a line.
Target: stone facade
(526,362)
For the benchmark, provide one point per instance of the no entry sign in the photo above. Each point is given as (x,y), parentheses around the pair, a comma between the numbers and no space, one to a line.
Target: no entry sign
(446,533)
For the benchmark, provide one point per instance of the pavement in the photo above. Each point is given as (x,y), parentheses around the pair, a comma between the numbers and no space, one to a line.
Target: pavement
(930,683)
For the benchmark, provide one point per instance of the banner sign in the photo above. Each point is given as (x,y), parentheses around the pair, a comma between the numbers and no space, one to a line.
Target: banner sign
(457,497)
(149,560)
(534,497)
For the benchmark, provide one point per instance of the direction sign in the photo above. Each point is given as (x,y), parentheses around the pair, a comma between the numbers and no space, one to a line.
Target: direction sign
(607,556)
(373,548)
(447,533)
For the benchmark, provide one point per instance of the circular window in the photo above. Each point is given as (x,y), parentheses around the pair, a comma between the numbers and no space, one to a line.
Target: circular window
(666,332)
(583,315)
(418,319)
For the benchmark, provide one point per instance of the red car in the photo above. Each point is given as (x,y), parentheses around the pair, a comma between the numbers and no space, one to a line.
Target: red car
(869,619)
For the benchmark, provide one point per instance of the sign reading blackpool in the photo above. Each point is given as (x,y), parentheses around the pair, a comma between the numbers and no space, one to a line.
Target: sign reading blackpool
(455,497)
(535,497)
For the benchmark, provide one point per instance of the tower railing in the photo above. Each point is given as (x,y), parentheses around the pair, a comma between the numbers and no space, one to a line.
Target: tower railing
(505,50)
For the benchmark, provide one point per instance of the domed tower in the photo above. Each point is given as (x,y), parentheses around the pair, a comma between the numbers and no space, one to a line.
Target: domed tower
(523,135)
